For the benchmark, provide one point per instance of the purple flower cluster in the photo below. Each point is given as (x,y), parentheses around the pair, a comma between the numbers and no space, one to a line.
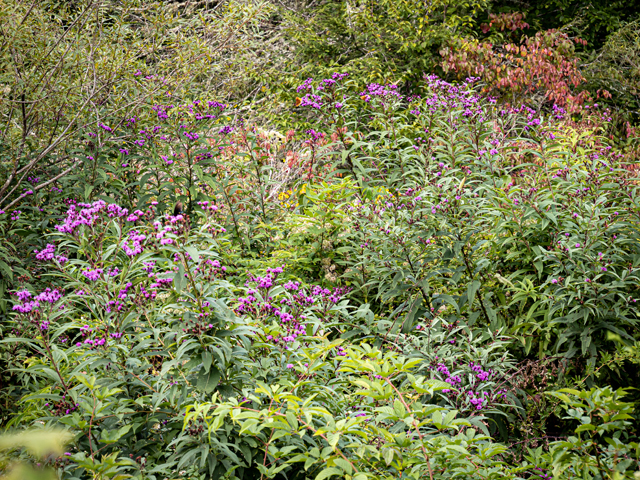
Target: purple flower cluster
(306,85)
(161,282)
(26,307)
(23,295)
(480,373)
(49,296)
(383,91)
(558,112)
(46,296)
(479,392)
(92,275)
(175,223)
(451,379)
(135,216)
(162,111)
(214,104)
(211,269)
(477,401)
(290,310)
(448,97)
(148,267)
(49,253)
(311,100)
(88,215)
(315,136)
(119,304)
(136,246)
(314,100)
(96,341)
(267,281)
(208,206)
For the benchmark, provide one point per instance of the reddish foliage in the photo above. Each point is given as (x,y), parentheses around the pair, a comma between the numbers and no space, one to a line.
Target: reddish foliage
(542,66)
(505,21)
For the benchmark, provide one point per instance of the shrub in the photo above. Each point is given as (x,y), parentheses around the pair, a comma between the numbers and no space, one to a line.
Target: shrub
(430,244)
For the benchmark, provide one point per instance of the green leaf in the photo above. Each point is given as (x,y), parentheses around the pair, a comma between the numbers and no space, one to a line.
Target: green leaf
(539,267)
(327,472)
(472,288)
(585,427)
(343,464)
(193,253)
(387,455)
(292,420)
(399,409)
(207,359)
(112,436)
(207,381)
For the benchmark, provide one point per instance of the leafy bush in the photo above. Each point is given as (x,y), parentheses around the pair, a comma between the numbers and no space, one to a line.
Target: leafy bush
(506,225)
(585,455)
(386,290)
(396,41)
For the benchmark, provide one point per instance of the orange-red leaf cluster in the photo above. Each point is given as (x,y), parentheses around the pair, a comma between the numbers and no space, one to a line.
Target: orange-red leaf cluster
(543,65)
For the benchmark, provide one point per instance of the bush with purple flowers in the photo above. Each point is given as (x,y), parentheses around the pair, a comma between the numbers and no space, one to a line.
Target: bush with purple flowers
(378,297)
(224,256)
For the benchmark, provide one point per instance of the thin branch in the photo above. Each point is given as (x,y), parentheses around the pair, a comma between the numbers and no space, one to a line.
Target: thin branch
(42,185)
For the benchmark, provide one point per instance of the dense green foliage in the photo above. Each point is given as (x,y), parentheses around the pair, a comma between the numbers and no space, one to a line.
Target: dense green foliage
(215,266)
